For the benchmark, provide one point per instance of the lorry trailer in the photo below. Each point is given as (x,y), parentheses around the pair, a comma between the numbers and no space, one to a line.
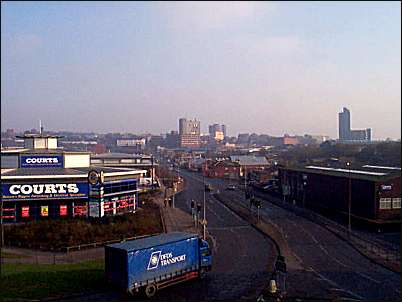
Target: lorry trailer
(155,262)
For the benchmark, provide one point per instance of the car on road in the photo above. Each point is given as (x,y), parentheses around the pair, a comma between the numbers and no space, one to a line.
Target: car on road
(231,187)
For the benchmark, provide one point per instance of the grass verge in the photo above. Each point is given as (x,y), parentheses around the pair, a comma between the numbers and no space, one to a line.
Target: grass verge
(34,282)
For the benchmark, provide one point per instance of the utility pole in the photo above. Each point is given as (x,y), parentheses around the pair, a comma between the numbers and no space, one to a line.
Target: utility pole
(350,200)
(152,172)
(2,236)
(204,222)
(245,178)
(174,193)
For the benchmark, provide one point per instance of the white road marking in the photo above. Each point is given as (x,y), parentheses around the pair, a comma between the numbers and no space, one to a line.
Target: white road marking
(334,258)
(231,228)
(334,284)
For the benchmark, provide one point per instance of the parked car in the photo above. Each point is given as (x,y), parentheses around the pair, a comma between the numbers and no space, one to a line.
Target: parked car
(231,187)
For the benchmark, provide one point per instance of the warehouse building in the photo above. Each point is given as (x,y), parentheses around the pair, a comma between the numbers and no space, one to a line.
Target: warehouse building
(42,181)
(375,192)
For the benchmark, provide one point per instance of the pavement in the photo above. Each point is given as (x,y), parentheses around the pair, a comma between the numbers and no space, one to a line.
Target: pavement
(328,262)
(174,218)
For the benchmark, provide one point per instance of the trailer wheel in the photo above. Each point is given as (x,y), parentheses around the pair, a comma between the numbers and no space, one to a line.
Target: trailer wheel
(150,290)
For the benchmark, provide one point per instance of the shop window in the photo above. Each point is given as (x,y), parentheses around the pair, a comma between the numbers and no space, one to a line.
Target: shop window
(385,203)
(8,213)
(128,161)
(63,210)
(111,161)
(25,212)
(80,210)
(396,203)
(44,211)
(108,207)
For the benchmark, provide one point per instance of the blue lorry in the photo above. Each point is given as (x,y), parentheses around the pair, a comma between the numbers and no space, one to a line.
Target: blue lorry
(152,263)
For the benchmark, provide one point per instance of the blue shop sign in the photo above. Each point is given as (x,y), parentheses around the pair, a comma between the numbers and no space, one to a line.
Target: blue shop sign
(18,192)
(41,161)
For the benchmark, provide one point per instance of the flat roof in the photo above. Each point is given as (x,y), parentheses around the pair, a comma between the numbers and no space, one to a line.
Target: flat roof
(44,173)
(43,151)
(342,172)
(119,155)
(249,160)
(347,170)
(382,167)
(38,136)
(151,241)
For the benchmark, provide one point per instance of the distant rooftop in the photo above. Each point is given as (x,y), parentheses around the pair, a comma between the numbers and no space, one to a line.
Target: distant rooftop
(38,136)
(249,160)
(119,155)
(81,172)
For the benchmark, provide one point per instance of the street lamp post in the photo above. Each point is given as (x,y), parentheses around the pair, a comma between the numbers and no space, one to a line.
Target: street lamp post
(245,178)
(204,221)
(349,199)
(152,172)
(2,236)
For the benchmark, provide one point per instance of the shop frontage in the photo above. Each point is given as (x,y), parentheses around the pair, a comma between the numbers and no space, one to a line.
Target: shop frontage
(50,183)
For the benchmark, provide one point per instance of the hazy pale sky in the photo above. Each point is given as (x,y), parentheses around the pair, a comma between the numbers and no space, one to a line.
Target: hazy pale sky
(264,67)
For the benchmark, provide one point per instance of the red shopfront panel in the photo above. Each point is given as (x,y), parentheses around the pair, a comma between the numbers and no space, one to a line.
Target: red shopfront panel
(63,210)
(25,212)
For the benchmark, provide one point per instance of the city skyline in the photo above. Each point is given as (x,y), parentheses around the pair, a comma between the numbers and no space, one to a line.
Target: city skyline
(138,67)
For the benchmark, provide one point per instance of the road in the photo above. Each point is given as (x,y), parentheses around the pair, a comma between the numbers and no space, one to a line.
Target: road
(334,262)
(243,258)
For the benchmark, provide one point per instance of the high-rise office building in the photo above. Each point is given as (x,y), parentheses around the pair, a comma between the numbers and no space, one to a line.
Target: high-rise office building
(217,132)
(345,131)
(344,124)
(224,130)
(189,132)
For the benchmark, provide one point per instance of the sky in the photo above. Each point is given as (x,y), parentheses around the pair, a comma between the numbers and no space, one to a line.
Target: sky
(262,67)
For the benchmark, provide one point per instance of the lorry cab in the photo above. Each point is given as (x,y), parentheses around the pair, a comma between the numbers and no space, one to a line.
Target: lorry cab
(206,258)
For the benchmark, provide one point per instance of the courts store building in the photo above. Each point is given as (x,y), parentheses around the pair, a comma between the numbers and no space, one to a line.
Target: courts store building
(42,181)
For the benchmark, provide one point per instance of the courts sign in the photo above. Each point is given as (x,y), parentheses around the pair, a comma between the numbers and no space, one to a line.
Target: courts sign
(41,161)
(16,192)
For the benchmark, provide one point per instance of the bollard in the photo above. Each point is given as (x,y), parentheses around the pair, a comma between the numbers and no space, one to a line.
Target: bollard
(272,286)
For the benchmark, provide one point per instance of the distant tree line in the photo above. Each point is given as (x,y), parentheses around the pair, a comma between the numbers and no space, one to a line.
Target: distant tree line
(384,153)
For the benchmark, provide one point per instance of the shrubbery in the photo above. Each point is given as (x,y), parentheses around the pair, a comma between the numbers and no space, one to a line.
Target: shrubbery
(57,234)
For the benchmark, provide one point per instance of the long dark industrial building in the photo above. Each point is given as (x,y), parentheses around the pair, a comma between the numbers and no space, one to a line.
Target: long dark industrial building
(375,191)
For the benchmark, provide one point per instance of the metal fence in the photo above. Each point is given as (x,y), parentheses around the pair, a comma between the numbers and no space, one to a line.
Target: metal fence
(69,254)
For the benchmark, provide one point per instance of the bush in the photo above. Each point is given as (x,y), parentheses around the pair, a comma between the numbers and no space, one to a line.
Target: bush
(57,234)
